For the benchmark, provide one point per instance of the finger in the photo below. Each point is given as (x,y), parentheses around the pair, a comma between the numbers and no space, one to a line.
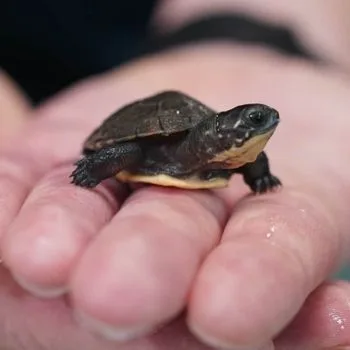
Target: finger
(35,151)
(54,225)
(18,331)
(322,323)
(142,264)
(53,136)
(275,250)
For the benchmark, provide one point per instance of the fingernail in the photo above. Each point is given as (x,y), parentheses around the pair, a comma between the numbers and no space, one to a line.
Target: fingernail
(110,332)
(221,345)
(40,291)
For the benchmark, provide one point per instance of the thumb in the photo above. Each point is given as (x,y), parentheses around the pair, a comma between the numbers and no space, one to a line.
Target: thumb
(14,106)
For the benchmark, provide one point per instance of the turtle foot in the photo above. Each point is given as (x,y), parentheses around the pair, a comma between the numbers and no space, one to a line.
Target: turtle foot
(267,183)
(82,175)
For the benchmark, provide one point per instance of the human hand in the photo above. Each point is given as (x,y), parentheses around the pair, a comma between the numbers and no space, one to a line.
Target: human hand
(243,266)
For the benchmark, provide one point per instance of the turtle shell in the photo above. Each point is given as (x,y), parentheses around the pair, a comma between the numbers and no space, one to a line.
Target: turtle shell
(163,114)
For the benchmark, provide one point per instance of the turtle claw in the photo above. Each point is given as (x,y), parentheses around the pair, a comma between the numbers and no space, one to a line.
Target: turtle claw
(82,176)
(267,183)
(85,182)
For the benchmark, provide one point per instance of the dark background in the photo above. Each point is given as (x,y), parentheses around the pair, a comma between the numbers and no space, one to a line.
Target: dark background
(47,44)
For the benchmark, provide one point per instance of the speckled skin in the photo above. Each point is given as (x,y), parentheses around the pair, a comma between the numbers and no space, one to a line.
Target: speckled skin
(175,135)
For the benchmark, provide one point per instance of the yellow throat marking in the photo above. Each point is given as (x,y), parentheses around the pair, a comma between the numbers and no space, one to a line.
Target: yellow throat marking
(238,156)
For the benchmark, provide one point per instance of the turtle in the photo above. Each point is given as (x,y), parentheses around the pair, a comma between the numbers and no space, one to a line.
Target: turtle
(172,139)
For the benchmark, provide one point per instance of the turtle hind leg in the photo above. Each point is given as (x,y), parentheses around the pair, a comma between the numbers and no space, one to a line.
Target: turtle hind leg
(100,165)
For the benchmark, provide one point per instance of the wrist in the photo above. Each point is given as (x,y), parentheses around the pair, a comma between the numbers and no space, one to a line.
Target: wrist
(322,27)
(230,28)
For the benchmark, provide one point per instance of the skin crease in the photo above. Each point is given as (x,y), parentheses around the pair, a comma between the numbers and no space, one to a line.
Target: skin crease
(287,243)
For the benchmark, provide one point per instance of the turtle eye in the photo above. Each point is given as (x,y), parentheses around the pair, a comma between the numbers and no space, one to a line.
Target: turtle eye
(256,117)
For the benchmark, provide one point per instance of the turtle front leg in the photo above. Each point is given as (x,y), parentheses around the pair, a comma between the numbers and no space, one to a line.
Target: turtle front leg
(100,165)
(257,175)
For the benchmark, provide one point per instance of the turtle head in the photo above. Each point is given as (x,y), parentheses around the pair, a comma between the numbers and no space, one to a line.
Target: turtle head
(241,133)
(246,122)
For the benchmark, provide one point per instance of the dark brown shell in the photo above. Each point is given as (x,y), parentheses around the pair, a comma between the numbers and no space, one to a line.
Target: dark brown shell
(164,114)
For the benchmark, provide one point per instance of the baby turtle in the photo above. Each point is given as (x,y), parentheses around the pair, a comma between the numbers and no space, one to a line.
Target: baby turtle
(171,139)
